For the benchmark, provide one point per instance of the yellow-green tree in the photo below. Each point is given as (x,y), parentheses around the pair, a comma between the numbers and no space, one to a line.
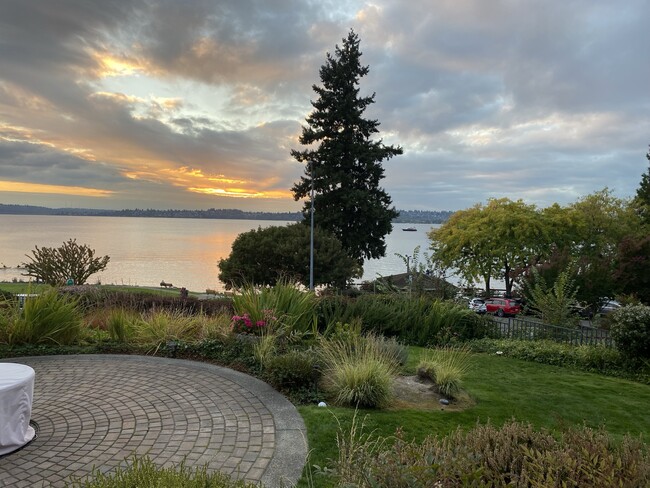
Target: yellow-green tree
(496,240)
(601,222)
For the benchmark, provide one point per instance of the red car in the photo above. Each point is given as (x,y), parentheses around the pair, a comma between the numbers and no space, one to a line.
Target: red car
(503,306)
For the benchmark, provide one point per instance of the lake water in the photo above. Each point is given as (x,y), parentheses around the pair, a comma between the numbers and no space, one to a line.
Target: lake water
(146,251)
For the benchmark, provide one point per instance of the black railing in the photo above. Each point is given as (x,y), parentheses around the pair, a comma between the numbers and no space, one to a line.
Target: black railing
(517,328)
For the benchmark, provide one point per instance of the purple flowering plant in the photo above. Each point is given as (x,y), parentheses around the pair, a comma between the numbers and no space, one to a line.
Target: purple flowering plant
(244,324)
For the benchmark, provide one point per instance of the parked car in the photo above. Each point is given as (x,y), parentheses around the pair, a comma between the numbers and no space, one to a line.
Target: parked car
(608,306)
(503,306)
(478,305)
(605,306)
(474,303)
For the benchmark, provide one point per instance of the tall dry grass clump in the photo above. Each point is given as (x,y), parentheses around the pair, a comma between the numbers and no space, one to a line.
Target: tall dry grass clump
(358,372)
(446,367)
(50,317)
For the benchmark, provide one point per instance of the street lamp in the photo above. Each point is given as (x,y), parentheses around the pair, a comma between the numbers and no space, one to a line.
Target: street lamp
(311,234)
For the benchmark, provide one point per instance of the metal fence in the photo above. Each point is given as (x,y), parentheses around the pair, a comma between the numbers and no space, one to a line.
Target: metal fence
(517,328)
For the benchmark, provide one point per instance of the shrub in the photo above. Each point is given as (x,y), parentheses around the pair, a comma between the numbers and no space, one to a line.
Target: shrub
(413,320)
(630,329)
(595,359)
(446,368)
(358,373)
(47,318)
(71,261)
(514,454)
(92,298)
(228,351)
(295,369)
(143,472)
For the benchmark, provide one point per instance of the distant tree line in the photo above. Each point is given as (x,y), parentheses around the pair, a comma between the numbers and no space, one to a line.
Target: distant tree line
(405,216)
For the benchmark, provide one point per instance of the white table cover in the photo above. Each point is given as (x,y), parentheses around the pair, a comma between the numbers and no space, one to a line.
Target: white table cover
(16,393)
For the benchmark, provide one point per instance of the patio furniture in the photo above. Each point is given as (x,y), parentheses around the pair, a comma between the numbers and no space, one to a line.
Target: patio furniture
(16,393)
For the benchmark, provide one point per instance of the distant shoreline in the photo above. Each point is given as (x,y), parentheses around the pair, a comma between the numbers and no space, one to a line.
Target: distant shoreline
(406,216)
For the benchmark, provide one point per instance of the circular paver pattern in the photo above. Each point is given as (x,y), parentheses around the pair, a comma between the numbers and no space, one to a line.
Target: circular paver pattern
(97,411)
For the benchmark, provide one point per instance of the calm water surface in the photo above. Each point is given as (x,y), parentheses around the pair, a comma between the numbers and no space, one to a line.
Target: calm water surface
(146,251)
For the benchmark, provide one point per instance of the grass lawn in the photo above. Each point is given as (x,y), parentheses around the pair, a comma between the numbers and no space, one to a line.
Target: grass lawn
(503,388)
(37,288)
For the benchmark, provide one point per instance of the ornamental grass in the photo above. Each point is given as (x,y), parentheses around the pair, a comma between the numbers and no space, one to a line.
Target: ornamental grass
(143,472)
(47,318)
(358,372)
(446,367)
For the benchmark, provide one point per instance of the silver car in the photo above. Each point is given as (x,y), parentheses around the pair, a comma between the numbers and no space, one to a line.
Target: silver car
(478,305)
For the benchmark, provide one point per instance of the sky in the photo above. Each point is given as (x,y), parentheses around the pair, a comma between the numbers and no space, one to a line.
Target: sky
(196,104)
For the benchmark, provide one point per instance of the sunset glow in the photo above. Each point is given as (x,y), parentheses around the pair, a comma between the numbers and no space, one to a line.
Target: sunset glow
(13,186)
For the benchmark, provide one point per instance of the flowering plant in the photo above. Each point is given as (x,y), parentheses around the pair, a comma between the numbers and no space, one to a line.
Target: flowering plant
(244,324)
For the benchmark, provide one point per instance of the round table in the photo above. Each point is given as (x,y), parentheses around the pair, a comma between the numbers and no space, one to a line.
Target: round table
(16,393)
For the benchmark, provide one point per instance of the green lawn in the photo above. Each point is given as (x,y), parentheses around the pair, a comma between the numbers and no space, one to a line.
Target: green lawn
(503,388)
(36,288)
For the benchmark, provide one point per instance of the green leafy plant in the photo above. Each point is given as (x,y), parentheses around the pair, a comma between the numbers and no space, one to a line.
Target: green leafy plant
(292,308)
(446,367)
(553,304)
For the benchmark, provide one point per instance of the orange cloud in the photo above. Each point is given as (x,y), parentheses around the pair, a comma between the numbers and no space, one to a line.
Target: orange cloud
(18,187)
(109,65)
(196,181)
(241,193)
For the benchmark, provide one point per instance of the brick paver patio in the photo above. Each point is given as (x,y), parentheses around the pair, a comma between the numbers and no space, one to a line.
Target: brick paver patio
(98,410)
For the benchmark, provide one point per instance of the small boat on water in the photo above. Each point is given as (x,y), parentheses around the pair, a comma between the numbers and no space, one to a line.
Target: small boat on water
(409,229)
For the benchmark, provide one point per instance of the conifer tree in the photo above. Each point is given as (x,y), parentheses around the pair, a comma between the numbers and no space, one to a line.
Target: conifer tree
(643,192)
(343,160)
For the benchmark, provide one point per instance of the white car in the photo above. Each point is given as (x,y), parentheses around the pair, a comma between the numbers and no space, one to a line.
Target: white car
(478,305)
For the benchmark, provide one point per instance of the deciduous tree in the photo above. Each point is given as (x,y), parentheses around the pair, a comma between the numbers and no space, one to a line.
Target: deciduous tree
(499,239)
(71,261)
(264,256)
(343,163)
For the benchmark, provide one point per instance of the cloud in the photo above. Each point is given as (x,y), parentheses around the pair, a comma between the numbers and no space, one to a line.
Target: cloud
(198,100)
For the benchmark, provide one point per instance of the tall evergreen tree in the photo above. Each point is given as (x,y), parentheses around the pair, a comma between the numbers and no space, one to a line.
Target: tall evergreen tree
(642,199)
(643,192)
(343,160)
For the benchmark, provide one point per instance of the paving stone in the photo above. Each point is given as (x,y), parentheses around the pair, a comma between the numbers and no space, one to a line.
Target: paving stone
(99,410)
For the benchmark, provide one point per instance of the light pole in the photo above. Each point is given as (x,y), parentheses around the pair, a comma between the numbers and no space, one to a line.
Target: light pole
(311,234)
